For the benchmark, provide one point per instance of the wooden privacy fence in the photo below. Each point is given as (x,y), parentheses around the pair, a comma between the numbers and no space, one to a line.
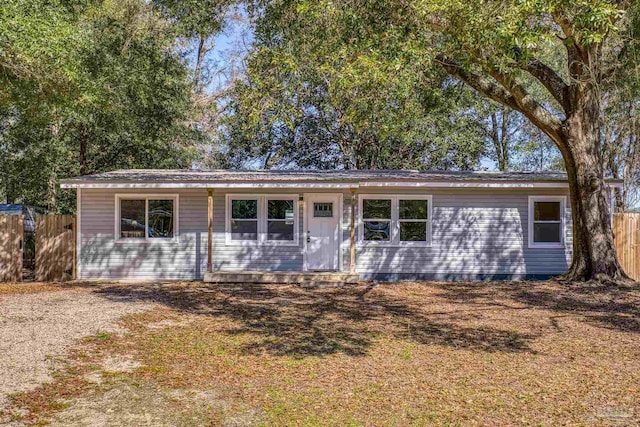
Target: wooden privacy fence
(11,229)
(55,247)
(626,231)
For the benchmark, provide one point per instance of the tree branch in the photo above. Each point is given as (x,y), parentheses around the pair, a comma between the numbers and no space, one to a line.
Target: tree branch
(509,93)
(532,109)
(479,83)
(549,79)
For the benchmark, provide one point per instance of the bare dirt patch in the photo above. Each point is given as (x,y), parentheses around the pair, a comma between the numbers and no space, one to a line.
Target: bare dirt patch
(523,353)
(122,402)
(38,328)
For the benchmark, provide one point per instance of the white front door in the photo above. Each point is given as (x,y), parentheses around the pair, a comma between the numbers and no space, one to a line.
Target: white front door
(322,234)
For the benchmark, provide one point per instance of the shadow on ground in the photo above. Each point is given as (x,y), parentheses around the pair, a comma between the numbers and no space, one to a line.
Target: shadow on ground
(616,307)
(297,321)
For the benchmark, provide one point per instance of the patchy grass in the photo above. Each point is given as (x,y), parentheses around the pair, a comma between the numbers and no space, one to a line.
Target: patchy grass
(523,353)
(28,288)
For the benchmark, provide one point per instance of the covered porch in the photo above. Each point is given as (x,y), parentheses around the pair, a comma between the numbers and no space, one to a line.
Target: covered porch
(304,276)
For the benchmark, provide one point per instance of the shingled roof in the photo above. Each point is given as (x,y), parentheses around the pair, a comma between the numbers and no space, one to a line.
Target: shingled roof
(214,176)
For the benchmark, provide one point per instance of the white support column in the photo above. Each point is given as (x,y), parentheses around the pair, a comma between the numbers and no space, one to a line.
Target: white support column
(352,265)
(209,230)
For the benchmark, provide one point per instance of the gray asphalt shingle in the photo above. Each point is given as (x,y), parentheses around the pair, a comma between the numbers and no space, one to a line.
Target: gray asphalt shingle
(217,175)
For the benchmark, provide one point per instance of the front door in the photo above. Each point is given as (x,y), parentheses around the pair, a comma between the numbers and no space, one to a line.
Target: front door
(322,236)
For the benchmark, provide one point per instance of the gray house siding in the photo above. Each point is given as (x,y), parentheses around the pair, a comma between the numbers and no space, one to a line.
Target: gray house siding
(102,257)
(476,233)
(255,257)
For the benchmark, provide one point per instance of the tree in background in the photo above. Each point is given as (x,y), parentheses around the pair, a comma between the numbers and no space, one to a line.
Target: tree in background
(513,143)
(502,132)
(300,107)
(120,100)
(621,130)
(198,24)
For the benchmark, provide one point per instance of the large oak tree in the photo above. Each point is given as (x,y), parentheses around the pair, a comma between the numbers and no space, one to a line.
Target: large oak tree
(550,60)
(501,50)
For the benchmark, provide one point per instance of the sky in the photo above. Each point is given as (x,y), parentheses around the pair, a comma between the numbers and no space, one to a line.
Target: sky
(230,47)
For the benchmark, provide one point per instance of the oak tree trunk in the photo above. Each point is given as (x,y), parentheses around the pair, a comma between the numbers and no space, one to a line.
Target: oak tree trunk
(594,253)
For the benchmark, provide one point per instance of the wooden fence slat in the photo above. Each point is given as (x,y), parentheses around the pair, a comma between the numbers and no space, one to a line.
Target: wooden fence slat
(19,245)
(626,229)
(40,231)
(55,247)
(11,235)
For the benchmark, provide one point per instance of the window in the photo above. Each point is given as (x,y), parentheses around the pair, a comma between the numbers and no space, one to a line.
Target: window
(323,210)
(413,216)
(160,218)
(546,222)
(141,217)
(376,219)
(253,219)
(280,220)
(244,219)
(132,219)
(395,220)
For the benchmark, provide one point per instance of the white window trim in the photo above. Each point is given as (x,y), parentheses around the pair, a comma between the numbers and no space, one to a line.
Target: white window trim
(530,219)
(227,220)
(262,219)
(146,197)
(395,220)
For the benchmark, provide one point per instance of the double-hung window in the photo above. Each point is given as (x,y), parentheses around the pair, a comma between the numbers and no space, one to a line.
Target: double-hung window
(244,219)
(403,220)
(413,216)
(146,217)
(376,219)
(268,219)
(546,221)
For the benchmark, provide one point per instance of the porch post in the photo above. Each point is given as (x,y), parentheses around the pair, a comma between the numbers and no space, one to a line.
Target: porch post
(209,230)
(352,266)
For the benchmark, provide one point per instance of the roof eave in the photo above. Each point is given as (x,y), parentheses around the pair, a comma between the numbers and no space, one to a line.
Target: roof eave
(71,184)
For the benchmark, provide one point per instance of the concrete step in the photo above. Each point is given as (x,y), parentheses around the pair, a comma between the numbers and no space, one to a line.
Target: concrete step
(279,277)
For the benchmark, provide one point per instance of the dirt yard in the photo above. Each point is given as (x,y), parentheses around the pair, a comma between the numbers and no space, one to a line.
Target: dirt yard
(40,322)
(490,353)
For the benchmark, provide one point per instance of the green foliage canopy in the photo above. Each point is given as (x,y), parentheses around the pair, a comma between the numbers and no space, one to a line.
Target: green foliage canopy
(123,104)
(313,98)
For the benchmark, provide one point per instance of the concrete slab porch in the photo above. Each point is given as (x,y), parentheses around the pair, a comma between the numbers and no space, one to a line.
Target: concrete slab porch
(279,277)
